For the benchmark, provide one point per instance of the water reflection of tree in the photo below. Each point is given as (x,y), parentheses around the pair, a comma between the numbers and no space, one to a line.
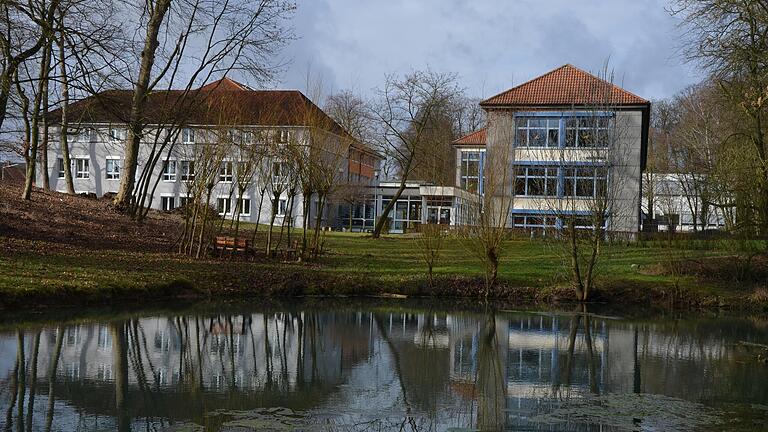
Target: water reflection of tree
(580,319)
(491,383)
(120,368)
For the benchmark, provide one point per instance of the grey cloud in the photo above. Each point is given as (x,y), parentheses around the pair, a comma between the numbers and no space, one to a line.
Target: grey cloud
(491,44)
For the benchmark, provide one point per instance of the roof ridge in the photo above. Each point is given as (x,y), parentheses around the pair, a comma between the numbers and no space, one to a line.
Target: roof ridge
(527,82)
(472,134)
(611,83)
(561,86)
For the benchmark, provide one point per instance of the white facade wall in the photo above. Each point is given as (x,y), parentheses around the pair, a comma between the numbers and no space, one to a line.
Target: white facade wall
(97,147)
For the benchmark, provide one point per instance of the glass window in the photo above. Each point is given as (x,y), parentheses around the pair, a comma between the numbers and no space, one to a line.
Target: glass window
(537,131)
(471,170)
(282,207)
(401,210)
(245,207)
(113,169)
(536,181)
(587,131)
(223,206)
(225,172)
(86,135)
(82,167)
(169,170)
(187,170)
(280,172)
(60,164)
(117,134)
(167,203)
(188,136)
(586,181)
(534,221)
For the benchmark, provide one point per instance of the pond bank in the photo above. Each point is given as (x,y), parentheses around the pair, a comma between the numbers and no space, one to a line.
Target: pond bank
(59,249)
(49,277)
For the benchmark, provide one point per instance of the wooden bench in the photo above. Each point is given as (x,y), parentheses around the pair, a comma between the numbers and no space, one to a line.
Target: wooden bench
(291,253)
(235,244)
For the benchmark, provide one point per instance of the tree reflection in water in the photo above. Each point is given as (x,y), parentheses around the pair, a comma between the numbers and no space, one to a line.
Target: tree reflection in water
(415,369)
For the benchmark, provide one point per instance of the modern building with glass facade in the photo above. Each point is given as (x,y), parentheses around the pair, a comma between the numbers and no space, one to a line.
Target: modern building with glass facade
(574,138)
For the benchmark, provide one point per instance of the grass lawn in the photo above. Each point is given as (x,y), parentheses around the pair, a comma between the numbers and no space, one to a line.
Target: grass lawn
(352,264)
(64,249)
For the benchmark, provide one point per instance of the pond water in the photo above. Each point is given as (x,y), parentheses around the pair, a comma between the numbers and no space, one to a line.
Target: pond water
(358,366)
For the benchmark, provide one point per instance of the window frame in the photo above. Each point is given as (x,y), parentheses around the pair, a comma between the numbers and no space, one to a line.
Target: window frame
(164,199)
(187,174)
(227,205)
(550,173)
(243,206)
(60,166)
(166,176)
(112,175)
(80,173)
(464,173)
(188,135)
(226,172)
(551,123)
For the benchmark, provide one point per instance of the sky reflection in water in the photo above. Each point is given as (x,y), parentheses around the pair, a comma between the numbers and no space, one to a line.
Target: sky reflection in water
(398,367)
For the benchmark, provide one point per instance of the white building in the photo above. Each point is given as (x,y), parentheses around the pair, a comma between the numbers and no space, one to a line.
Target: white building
(179,130)
(677,205)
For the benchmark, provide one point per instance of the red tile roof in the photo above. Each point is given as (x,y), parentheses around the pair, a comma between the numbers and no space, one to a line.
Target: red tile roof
(566,85)
(223,102)
(475,138)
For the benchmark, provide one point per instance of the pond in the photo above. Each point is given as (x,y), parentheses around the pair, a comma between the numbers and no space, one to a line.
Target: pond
(383,365)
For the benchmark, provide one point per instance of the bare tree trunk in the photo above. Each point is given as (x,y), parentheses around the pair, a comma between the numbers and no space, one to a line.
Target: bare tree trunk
(275,201)
(306,199)
(318,222)
(34,135)
(387,209)
(575,270)
(136,123)
(63,128)
(46,180)
(120,365)
(33,383)
(206,210)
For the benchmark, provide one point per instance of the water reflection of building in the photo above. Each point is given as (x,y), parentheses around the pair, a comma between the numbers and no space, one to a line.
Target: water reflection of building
(446,369)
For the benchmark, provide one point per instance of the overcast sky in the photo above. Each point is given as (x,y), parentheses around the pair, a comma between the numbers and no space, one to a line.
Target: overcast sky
(491,44)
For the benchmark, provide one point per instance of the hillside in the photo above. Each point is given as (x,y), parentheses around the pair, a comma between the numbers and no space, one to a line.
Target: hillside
(64,221)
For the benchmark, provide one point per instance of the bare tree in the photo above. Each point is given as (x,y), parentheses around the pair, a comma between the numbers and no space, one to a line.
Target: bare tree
(728,39)
(25,30)
(489,213)
(237,35)
(405,111)
(597,160)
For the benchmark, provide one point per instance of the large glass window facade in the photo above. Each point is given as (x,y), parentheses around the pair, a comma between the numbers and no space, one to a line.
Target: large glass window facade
(587,131)
(583,130)
(587,181)
(537,131)
(439,210)
(359,216)
(534,220)
(584,181)
(471,170)
(536,181)
(406,214)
